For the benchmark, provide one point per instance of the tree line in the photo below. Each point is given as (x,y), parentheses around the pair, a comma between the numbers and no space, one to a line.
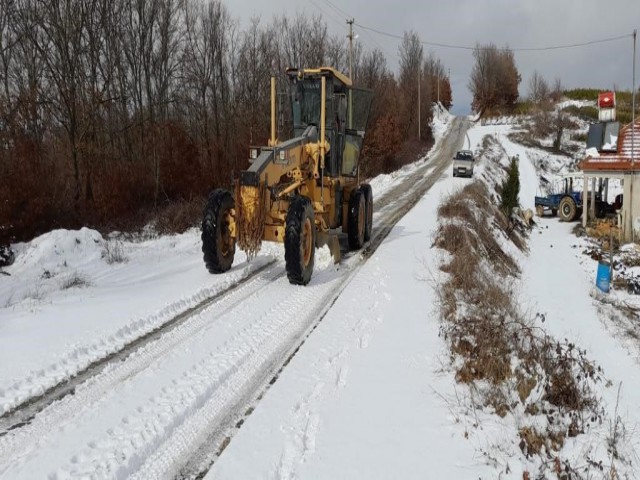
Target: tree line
(111,109)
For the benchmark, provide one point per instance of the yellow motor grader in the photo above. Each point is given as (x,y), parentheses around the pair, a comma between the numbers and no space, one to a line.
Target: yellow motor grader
(297,191)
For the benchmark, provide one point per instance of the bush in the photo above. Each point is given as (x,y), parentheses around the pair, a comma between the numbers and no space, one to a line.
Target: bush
(511,188)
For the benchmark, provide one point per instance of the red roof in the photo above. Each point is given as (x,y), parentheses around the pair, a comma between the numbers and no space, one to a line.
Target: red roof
(628,141)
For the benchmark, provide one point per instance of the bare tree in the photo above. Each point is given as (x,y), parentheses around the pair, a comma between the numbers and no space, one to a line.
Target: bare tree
(538,88)
(557,91)
(494,78)
(411,55)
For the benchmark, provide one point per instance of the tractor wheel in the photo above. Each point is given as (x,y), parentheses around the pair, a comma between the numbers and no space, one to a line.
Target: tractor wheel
(554,212)
(567,209)
(539,210)
(356,220)
(300,241)
(366,190)
(218,245)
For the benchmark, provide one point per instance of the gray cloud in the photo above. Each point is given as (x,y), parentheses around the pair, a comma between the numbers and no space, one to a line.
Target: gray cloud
(518,24)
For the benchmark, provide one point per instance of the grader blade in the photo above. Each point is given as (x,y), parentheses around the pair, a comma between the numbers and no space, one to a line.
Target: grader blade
(251,215)
(330,240)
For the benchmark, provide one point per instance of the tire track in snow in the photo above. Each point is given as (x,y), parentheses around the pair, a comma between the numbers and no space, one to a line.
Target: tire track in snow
(34,402)
(92,393)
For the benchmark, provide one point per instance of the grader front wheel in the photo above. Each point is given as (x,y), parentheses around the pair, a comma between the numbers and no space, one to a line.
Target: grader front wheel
(218,223)
(300,241)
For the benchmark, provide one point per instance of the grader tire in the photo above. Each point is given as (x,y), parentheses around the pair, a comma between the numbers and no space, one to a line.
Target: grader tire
(366,190)
(218,246)
(299,241)
(356,220)
(567,209)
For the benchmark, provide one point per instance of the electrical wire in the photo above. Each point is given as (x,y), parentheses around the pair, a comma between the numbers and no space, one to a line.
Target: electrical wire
(519,49)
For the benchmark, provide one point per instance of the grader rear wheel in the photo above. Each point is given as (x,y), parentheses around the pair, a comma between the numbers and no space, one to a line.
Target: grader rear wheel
(356,220)
(300,241)
(368,202)
(218,243)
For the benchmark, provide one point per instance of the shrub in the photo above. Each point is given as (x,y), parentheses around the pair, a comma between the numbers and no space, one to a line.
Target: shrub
(114,252)
(75,280)
(177,217)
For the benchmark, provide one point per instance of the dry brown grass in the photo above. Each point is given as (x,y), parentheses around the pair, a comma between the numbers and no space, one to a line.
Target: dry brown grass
(533,442)
(488,334)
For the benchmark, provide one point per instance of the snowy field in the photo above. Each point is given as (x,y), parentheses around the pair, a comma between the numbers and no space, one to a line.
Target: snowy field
(370,394)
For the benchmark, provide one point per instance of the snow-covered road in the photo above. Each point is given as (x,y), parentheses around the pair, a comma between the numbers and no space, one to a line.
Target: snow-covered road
(345,378)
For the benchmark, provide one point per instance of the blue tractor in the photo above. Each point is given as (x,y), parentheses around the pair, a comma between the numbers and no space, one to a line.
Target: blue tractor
(567,202)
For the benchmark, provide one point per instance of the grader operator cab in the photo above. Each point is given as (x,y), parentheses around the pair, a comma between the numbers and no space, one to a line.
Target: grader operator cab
(296,191)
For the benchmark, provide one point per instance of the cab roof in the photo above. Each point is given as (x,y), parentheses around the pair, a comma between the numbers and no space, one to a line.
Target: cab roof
(322,71)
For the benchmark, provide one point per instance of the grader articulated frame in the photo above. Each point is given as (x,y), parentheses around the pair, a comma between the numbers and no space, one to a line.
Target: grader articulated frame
(299,190)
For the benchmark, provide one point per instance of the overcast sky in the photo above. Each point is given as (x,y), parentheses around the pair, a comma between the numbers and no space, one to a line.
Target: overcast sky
(518,24)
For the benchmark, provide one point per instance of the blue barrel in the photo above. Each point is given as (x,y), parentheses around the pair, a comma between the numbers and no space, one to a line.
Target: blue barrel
(603,277)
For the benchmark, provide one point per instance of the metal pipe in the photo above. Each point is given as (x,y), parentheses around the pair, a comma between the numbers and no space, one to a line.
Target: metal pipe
(290,188)
(272,141)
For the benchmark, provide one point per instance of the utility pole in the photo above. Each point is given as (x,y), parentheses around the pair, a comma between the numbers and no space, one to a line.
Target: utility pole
(633,128)
(350,37)
(419,102)
(633,101)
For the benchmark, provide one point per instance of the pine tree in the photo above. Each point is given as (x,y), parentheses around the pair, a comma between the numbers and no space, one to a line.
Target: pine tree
(511,188)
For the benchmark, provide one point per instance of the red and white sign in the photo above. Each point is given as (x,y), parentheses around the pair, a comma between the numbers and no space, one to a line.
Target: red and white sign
(607,100)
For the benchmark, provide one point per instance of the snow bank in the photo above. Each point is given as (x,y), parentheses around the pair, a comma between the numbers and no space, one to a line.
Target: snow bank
(59,250)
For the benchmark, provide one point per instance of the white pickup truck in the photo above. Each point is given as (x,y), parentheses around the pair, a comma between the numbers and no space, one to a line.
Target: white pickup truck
(463,164)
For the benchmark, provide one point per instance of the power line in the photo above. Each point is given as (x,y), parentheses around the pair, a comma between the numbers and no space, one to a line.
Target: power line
(329,14)
(343,13)
(336,8)
(520,49)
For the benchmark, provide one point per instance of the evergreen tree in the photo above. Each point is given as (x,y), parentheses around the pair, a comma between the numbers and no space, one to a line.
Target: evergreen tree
(511,188)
